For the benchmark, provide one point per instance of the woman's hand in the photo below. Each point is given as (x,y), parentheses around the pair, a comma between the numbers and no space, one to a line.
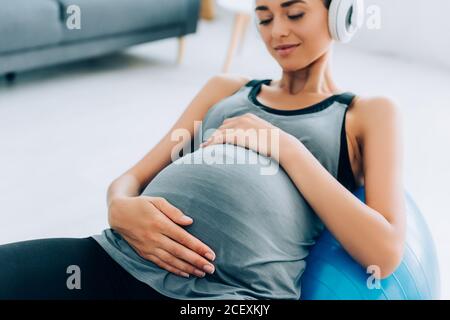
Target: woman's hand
(151,226)
(249,131)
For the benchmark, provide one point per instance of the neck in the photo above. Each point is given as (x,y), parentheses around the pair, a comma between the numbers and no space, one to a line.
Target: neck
(314,79)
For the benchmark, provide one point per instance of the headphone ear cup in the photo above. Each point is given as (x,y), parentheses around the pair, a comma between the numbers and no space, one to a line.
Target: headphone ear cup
(345,18)
(332,16)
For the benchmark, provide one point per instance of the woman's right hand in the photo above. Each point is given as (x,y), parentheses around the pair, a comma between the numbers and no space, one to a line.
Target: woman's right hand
(151,226)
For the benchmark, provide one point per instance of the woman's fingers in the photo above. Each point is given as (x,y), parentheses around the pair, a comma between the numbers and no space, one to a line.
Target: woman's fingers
(174,245)
(170,264)
(186,239)
(177,263)
(172,212)
(177,233)
(195,260)
(166,266)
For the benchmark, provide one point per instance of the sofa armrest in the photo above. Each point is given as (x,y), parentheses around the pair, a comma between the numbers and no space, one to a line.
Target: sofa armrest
(193,15)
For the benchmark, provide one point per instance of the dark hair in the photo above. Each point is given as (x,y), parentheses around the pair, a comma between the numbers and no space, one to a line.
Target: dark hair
(327,3)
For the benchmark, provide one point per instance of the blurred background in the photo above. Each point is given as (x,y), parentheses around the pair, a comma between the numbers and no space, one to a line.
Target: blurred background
(84,94)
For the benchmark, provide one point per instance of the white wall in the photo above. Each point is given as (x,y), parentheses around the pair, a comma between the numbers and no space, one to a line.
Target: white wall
(417,29)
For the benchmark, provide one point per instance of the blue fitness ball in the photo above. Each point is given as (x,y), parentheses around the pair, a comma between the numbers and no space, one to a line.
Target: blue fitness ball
(332,274)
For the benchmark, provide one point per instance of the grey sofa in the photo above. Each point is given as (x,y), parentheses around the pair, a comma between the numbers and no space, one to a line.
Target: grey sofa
(34,33)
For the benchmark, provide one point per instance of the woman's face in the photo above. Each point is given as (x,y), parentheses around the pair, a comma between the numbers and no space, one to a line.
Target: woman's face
(299,22)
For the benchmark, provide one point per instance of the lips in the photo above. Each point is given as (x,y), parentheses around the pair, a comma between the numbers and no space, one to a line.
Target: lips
(285,50)
(286,46)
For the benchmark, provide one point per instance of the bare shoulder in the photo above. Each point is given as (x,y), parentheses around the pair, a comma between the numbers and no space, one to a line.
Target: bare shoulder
(217,88)
(374,112)
(226,84)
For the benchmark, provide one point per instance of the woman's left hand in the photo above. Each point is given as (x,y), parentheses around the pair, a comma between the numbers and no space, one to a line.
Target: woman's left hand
(250,131)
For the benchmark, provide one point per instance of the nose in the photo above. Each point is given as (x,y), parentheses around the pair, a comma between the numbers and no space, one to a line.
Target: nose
(280,28)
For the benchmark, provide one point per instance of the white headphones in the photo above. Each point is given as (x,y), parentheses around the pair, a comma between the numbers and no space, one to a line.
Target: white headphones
(345,17)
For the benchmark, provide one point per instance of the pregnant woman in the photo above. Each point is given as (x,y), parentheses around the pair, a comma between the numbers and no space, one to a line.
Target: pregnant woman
(186,227)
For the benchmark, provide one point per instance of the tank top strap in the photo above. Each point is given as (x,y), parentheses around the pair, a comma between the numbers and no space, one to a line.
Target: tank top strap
(254,82)
(346,98)
(345,172)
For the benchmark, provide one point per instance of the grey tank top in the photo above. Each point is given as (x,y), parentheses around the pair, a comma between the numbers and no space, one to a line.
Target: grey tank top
(259,225)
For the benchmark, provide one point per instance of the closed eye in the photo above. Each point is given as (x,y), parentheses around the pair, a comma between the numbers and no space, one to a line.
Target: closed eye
(295,17)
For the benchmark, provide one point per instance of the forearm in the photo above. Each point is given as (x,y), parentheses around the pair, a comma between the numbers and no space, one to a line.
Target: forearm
(361,230)
(125,186)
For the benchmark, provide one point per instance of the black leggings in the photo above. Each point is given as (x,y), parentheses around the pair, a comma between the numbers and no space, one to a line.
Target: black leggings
(41,269)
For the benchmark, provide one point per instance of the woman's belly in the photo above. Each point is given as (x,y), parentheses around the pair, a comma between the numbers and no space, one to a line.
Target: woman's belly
(246,209)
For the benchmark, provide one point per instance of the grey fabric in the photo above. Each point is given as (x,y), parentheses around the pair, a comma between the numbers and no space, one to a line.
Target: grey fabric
(260,226)
(34,34)
(107,17)
(27,24)
(193,10)
(78,50)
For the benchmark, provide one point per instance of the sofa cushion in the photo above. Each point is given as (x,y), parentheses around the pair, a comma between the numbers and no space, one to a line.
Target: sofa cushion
(109,17)
(28,24)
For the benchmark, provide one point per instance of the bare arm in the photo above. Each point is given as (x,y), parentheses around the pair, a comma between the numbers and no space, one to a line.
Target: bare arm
(137,177)
(373,233)
(125,186)
(152,225)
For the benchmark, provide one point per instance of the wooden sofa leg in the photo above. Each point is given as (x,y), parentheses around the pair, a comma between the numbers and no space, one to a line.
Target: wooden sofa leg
(207,9)
(181,47)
